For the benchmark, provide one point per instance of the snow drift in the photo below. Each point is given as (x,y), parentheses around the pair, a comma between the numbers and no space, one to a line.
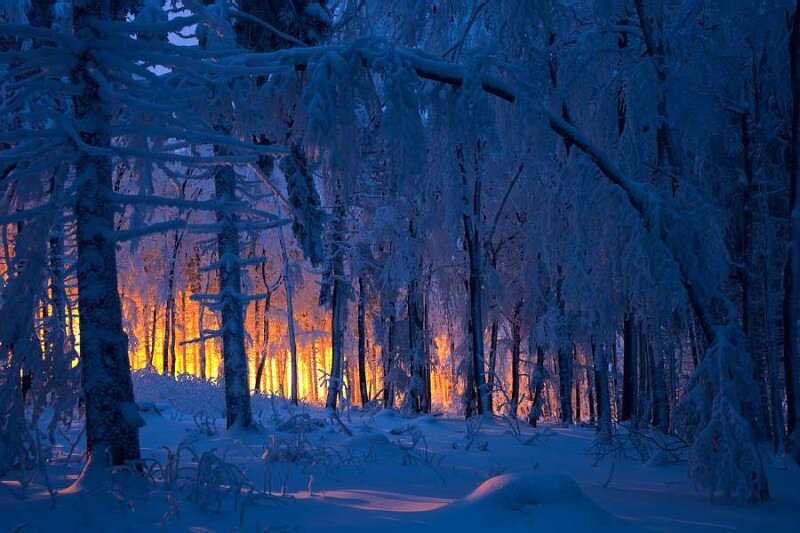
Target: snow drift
(524,501)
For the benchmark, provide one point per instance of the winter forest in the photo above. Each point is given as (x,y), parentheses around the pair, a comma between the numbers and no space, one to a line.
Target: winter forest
(375,265)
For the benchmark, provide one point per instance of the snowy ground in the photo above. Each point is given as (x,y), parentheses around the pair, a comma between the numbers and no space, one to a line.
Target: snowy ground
(304,473)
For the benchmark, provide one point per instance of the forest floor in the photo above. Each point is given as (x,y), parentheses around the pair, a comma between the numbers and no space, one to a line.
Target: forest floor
(303,472)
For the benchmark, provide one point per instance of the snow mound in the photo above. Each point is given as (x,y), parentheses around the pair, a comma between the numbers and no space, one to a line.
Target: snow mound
(515,491)
(526,501)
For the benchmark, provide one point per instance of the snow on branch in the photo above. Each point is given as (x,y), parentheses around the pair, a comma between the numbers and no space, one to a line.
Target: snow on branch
(30,213)
(208,335)
(285,36)
(241,261)
(161,227)
(25,31)
(258,225)
(160,201)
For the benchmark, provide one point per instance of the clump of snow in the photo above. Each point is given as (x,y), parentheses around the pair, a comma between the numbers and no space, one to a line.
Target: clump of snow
(524,501)
(515,491)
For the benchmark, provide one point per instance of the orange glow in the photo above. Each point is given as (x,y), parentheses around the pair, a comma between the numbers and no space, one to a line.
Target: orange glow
(146,344)
(313,345)
(266,336)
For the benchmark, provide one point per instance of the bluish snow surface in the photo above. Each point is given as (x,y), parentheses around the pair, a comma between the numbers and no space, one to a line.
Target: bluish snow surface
(303,472)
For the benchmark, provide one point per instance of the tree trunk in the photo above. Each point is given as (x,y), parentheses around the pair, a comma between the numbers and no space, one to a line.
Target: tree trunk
(338,305)
(201,349)
(577,378)
(613,367)
(234,357)
(791,288)
(338,325)
(745,273)
(428,399)
(314,374)
(776,394)
(362,342)
(564,361)
(55,340)
(477,392)
(590,394)
(387,357)
(491,378)
(537,382)
(667,162)
(280,363)
(629,371)
(660,416)
(516,343)
(165,360)
(112,420)
(168,353)
(152,334)
(184,332)
(173,359)
(289,288)
(603,396)
(265,346)
(148,363)
(644,390)
(416,338)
